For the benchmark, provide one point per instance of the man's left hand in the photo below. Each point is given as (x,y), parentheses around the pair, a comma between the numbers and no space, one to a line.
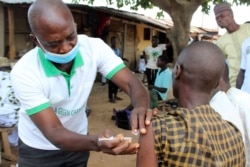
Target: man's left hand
(140,117)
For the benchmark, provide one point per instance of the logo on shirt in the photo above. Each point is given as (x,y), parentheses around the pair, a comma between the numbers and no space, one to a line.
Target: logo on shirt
(64,112)
(155,55)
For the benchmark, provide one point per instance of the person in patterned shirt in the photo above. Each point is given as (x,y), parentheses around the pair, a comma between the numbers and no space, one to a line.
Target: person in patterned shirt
(194,134)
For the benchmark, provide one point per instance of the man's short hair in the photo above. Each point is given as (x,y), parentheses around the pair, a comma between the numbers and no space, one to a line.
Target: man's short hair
(164,58)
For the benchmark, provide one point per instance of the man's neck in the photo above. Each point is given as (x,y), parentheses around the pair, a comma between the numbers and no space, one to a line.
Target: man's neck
(232,28)
(64,67)
(191,99)
(163,68)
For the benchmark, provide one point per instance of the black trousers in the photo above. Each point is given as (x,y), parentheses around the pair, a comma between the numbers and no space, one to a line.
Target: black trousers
(151,75)
(113,89)
(32,157)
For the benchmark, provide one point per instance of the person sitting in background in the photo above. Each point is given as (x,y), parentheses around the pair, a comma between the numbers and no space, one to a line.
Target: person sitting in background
(194,134)
(241,101)
(159,90)
(163,82)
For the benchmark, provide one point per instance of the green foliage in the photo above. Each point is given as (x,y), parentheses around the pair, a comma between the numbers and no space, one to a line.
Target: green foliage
(134,4)
(147,4)
(180,32)
(206,7)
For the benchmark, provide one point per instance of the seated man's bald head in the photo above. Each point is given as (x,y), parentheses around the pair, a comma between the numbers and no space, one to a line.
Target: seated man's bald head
(202,64)
(43,13)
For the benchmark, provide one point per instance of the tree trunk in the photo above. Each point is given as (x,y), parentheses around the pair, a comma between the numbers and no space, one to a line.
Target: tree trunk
(181,12)
(12,46)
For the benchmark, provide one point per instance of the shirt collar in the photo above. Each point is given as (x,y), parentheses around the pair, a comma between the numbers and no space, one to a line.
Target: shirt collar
(50,69)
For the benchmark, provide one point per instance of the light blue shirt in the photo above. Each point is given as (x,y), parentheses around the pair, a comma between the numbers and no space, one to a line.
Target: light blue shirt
(117,52)
(163,80)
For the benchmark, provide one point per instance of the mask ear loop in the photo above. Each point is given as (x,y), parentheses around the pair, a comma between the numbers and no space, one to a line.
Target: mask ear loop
(35,40)
(40,45)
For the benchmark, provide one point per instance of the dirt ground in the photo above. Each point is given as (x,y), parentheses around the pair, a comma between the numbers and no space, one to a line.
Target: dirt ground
(100,119)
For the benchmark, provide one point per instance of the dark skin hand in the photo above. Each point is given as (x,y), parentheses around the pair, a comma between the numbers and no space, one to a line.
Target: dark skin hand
(141,114)
(53,130)
(131,149)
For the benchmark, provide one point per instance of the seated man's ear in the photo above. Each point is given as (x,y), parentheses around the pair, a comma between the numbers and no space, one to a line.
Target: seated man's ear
(177,71)
(34,39)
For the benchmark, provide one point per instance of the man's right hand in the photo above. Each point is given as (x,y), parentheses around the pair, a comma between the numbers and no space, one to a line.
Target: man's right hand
(117,145)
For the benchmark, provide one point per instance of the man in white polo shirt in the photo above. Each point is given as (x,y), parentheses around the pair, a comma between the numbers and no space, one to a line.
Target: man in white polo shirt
(152,53)
(53,82)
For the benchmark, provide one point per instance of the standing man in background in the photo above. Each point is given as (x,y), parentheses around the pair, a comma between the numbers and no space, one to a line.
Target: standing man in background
(230,43)
(112,87)
(152,53)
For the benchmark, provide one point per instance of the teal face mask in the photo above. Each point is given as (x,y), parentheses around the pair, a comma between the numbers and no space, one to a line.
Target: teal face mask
(61,58)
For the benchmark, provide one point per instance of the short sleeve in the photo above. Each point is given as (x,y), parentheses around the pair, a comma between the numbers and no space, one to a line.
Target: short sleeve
(108,63)
(28,87)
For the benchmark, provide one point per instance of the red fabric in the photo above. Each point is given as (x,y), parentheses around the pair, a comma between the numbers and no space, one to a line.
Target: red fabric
(104,21)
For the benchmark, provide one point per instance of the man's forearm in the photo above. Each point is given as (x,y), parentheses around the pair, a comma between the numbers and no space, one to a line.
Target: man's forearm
(240,78)
(138,94)
(160,89)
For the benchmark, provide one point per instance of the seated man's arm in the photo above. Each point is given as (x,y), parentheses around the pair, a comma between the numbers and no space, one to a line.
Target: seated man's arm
(146,156)
(160,89)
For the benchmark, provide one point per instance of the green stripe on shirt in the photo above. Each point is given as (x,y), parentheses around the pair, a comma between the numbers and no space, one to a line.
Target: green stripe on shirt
(38,108)
(115,70)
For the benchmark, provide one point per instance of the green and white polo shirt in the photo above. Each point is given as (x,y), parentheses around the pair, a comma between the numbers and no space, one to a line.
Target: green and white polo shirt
(38,84)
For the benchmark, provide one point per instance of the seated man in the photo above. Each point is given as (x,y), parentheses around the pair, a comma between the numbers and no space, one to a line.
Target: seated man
(162,83)
(194,134)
